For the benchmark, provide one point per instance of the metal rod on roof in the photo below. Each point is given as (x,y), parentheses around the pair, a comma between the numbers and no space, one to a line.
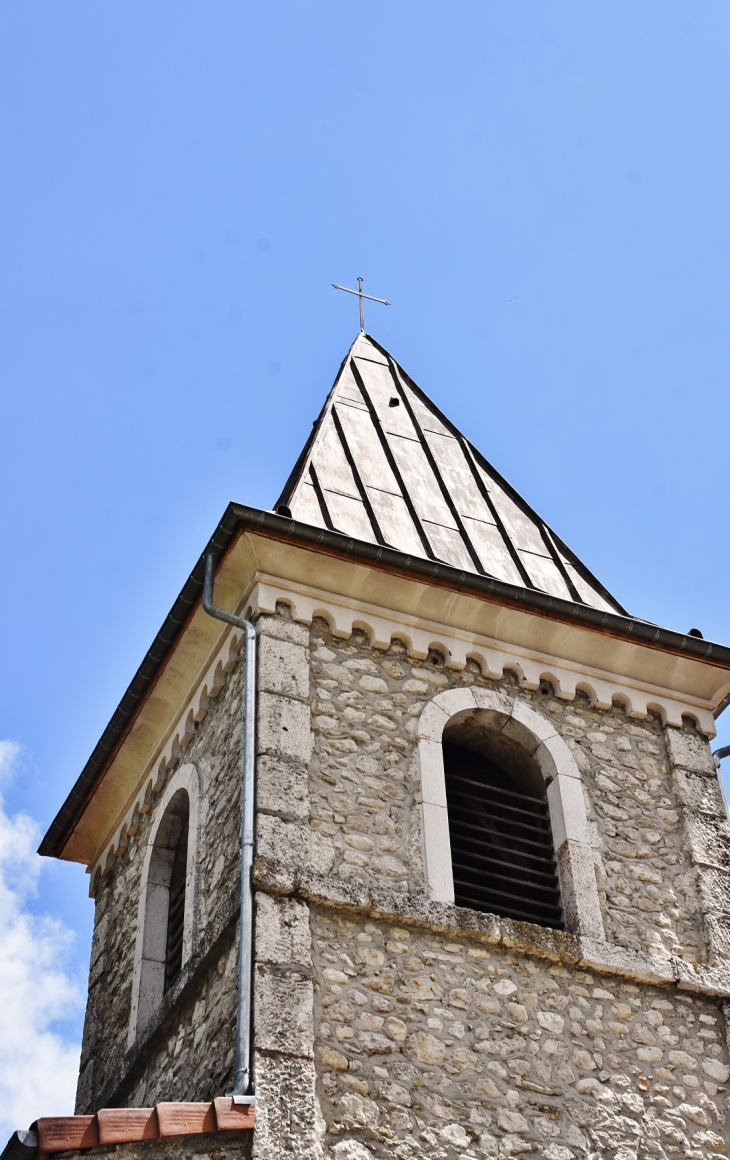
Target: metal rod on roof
(243,1088)
(382,301)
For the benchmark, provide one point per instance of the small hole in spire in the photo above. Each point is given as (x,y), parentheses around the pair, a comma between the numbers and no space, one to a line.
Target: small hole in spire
(394,402)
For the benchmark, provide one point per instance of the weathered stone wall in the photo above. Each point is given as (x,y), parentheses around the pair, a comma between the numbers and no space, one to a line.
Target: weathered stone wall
(363,779)
(191,1054)
(429,1041)
(648,879)
(705,836)
(231,1146)
(430,1046)
(215,751)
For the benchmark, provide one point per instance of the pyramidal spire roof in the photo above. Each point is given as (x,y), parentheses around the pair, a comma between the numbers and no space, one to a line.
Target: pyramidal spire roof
(384,465)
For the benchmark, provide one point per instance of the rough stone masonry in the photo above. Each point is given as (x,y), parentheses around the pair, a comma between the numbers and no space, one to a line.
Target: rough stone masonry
(389,1025)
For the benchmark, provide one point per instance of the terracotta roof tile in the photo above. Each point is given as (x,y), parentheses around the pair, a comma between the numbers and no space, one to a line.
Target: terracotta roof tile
(127,1125)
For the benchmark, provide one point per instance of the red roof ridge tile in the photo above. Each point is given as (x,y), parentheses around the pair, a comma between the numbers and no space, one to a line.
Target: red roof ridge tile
(128,1125)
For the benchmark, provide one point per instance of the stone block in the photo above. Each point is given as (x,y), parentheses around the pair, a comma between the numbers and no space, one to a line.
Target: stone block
(437,852)
(432,721)
(283,667)
(708,839)
(713,885)
(282,787)
(277,876)
(283,726)
(609,958)
(279,628)
(554,757)
(581,904)
(353,1149)
(282,931)
(283,1011)
(286,1108)
(690,751)
(495,707)
(717,937)
(322,853)
(148,998)
(699,792)
(157,904)
(528,728)
(433,783)
(701,980)
(568,818)
(283,843)
(528,938)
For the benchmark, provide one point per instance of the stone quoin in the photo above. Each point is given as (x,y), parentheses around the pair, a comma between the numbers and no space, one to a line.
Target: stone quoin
(492,856)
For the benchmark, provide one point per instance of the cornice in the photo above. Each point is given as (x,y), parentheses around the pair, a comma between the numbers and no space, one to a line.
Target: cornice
(381,625)
(494,658)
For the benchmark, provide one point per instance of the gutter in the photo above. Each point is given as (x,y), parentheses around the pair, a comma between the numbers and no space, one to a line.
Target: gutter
(718,756)
(239,519)
(21,1146)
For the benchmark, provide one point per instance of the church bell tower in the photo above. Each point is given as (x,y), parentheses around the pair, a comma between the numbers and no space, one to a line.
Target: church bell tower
(484,908)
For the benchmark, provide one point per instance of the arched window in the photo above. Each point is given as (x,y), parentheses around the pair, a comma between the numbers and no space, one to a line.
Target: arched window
(502,851)
(163,911)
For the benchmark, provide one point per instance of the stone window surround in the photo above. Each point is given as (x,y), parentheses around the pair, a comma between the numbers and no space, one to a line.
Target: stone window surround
(147,979)
(539,737)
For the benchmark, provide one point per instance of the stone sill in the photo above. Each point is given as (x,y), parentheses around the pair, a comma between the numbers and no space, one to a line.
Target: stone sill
(558,946)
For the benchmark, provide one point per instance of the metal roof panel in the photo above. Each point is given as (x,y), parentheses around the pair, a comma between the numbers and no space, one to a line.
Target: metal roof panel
(390,468)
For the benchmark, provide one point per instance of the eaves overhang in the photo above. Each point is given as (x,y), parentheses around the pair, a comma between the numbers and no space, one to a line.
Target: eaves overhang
(239,519)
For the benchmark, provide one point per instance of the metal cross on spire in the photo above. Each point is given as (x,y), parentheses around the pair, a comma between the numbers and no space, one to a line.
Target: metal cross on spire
(360,295)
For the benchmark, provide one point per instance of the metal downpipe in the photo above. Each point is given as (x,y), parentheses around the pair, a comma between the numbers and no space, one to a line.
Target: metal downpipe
(243,1092)
(718,756)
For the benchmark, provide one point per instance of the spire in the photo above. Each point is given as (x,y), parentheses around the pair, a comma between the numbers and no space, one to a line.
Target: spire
(384,465)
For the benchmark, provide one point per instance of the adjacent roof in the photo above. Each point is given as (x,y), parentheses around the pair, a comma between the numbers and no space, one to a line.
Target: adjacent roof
(111,1126)
(384,465)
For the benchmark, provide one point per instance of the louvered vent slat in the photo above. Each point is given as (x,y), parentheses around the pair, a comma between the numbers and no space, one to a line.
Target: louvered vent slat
(176,909)
(501,842)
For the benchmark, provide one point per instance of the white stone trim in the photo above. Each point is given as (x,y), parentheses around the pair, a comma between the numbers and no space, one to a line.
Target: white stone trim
(537,734)
(603,687)
(148,976)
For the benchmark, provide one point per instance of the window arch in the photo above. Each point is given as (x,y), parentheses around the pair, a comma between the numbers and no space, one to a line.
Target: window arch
(502,852)
(165,923)
(530,744)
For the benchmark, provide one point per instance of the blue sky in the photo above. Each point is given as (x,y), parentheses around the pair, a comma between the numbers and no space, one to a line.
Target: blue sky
(540,190)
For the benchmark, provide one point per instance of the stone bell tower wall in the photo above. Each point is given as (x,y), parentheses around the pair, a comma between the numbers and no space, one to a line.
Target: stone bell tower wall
(386,1018)
(441,1032)
(186,1049)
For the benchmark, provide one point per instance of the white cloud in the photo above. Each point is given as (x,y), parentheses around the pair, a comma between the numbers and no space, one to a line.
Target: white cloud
(38,1066)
